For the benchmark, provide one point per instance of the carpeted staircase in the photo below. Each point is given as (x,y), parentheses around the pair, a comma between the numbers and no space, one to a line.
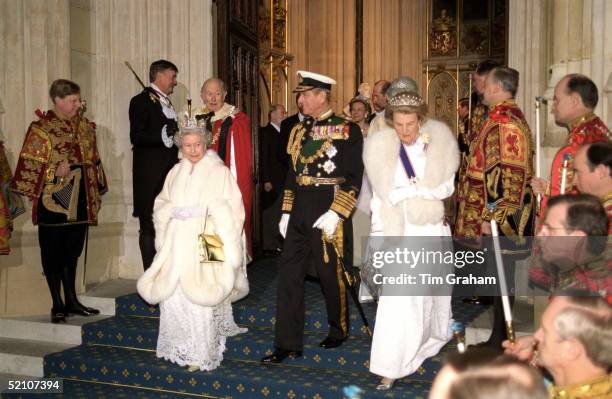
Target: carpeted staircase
(117,358)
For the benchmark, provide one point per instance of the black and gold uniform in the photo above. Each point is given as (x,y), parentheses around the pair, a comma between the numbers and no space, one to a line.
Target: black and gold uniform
(325,174)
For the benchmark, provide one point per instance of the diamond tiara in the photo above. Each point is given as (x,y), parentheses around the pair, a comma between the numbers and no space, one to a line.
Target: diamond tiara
(406,98)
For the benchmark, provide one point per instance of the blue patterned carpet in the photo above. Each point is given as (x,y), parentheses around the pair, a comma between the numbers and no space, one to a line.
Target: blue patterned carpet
(117,358)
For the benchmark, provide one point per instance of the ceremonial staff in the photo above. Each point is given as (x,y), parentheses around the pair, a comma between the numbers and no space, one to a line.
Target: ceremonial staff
(135,74)
(502,278)
(538,102)
(564,171)
(80,115)
(469,121)
(346,275)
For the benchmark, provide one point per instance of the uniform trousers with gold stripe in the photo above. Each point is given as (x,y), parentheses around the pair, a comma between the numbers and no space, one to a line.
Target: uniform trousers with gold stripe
(302,246)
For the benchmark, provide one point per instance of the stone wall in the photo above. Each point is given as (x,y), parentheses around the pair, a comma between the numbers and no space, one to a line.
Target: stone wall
(88,41)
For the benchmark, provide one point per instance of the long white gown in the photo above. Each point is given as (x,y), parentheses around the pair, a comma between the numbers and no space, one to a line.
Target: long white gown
(195,309)
(194,335)
(410,329)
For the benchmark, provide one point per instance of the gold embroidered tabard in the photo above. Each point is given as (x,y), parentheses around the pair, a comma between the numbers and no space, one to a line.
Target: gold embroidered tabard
(49,142)
(498,171)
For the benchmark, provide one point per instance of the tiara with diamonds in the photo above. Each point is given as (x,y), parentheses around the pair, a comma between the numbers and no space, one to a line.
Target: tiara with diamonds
(191,123)
(406,98)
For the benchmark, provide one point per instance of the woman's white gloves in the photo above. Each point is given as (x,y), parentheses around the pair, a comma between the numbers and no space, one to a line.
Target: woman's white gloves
(327,222)
(399,194)
(282,225)
(188,212)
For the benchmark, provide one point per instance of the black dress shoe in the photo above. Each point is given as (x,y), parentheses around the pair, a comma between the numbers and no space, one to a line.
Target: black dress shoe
(81,310)
(279,355)
(331,342)
(473,300)
(58,316)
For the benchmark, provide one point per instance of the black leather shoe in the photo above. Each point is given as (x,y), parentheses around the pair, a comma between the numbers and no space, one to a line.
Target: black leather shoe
(81,310)
(331,342)
(58,316)
(279,355)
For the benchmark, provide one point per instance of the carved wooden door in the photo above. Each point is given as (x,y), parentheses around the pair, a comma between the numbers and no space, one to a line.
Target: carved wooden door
(238,67)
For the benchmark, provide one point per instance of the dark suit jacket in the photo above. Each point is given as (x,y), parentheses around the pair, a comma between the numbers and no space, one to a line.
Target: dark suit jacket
(152,159)
(273,162)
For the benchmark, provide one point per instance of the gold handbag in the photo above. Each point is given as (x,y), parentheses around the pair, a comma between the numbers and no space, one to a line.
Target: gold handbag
(211,246)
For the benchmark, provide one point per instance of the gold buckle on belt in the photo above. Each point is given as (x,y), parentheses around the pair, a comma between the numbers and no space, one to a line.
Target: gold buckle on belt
(310,180)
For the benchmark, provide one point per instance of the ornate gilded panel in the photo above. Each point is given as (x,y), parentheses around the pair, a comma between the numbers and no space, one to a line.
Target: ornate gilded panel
(442,98)
(273,57)
(461,33)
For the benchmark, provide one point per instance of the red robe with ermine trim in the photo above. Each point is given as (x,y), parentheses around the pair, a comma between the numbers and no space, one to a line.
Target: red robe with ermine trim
(240,135)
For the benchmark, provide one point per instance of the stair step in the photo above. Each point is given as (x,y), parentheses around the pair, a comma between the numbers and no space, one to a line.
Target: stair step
(40,328)
(141,333)
(250,311)
(234,378)
(89,390)
(102,296)
(25,357)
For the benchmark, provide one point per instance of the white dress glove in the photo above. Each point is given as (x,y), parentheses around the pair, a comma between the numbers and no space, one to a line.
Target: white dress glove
(401,193)
(327,222)
(282,225)
(188,212)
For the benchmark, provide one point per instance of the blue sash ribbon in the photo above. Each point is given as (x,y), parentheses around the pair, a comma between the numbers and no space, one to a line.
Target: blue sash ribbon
(406,163)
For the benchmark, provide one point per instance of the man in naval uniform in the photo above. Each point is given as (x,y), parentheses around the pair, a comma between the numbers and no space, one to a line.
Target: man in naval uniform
(320,195)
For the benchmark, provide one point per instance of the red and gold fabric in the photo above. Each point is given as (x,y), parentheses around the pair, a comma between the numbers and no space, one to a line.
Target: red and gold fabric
(49,141)
(586,129)
(477,120)
(11,204)
(607,203)
(498,172)
(238,137)
(5,216)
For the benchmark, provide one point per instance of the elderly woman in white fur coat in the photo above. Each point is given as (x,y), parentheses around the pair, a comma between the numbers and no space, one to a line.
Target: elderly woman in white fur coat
(411,168)
(199,194)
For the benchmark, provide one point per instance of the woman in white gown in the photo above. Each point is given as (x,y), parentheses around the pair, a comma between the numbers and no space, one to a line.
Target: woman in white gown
(411,170)
(199,194)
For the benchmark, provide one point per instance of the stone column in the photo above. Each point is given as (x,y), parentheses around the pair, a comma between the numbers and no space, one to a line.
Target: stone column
(580,43)
(88,41)
(527,49)
(34,51)
(140,33)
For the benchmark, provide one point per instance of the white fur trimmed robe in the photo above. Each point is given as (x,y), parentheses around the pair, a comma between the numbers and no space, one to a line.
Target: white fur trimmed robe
(195,300)
(409,329)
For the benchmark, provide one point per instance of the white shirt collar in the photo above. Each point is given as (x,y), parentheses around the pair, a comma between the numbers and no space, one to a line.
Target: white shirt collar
(159,91)
(275,126)
(301,116)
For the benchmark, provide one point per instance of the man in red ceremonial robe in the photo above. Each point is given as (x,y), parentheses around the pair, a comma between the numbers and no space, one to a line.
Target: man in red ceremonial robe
(574,100)
(231,139)
(496,183)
